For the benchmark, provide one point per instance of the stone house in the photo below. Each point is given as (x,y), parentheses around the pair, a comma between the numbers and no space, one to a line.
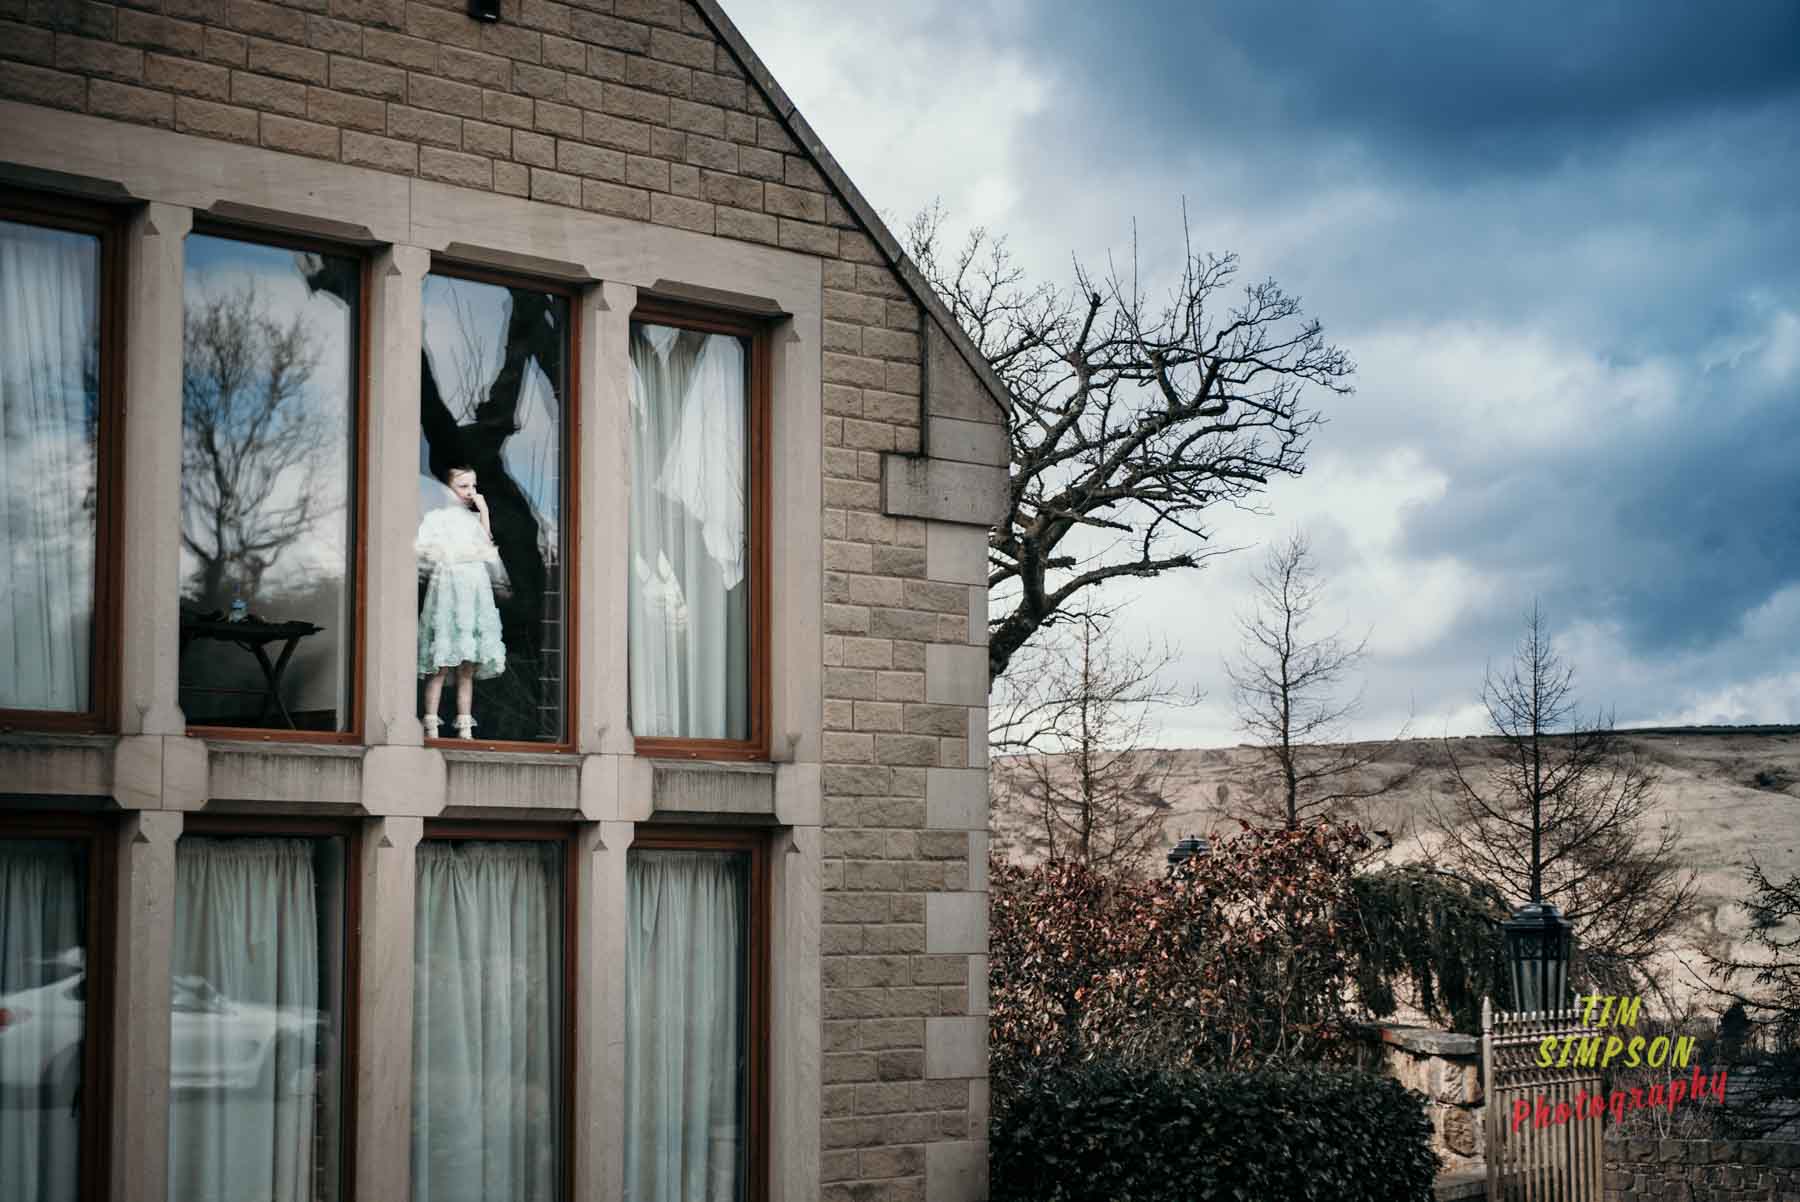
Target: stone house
(492,671)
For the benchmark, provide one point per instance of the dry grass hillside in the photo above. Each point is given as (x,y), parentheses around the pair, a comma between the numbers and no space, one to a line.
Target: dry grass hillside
(1733,792)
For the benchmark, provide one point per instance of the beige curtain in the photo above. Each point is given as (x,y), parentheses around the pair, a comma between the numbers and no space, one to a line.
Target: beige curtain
(487,1010)
(688,600)
(684,1026)
(245,1021)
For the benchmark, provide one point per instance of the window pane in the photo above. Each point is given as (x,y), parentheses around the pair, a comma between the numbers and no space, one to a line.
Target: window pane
(684,1026)
(491,543)
(49,420)
(43,1024)
(269,370)
(689,596)
(487,1022)
(255,1019)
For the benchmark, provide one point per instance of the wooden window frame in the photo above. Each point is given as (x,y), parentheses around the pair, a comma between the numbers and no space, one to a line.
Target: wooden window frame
(458,831)
(758,396)
(351,831)
(109,225)
(359,481)
(570,521)
(98,834)
(758,972)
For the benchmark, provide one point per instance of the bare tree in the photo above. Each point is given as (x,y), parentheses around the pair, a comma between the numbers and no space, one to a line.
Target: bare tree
(1761,1030)
(1285,682)
(251,442)
(1563,815)
(1083,775)
(473,359)
(1130,418)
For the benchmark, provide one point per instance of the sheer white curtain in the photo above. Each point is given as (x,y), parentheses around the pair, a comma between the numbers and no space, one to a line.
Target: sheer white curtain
(689,511)
(487,1007)
(684,1036)
(41,952)
(48,356)
(244,1018)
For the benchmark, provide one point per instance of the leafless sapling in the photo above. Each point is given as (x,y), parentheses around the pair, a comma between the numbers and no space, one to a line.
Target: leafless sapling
(1076,773)
(1563,813)
(1286,682)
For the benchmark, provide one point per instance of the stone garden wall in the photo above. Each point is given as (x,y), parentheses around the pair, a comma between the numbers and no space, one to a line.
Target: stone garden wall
(1446,1068)
(1702,1170)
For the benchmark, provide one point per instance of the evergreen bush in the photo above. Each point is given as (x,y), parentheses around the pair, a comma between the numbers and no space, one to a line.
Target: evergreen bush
(1106,1132)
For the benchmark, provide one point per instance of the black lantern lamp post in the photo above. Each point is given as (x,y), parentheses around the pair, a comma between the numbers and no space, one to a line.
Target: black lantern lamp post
(1539,941)
(1184,851)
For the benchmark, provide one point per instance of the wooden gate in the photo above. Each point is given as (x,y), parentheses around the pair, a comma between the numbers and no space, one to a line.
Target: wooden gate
(1556,1162)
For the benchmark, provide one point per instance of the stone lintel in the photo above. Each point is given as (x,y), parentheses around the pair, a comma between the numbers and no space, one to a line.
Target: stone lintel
(941,490)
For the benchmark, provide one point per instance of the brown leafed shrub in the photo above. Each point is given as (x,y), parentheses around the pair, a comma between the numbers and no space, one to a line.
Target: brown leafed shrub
(1244,961)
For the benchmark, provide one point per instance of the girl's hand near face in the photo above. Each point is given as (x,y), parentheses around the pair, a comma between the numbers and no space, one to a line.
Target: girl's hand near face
(481,509)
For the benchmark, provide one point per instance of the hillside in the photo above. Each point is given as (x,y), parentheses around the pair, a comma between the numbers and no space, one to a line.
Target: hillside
(1733,792)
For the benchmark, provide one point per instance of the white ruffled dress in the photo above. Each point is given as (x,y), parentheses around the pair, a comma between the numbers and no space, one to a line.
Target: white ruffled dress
(458,623)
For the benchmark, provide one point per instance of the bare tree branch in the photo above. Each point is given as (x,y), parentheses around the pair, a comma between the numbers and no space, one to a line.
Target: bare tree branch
(1127,415)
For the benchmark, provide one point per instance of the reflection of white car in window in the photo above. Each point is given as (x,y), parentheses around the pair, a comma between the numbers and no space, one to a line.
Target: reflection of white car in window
(218,1043)
(214,1041)
(40,1040)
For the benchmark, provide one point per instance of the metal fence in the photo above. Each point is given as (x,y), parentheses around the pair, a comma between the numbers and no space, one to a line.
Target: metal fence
(1538,1161)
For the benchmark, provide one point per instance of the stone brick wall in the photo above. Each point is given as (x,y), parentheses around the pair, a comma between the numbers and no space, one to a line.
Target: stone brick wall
(628,107)
(643,109)
(1446,1068)
(1701,1170)
(904,995)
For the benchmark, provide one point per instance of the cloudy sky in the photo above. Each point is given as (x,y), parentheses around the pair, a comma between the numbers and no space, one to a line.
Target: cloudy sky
(1562,244)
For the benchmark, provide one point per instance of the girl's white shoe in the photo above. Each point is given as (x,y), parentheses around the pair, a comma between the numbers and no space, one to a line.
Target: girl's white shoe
(465,726)
(432,722)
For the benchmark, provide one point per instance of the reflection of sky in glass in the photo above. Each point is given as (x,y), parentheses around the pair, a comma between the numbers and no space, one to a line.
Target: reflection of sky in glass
(49,402)
(465,332)
(218,267)
(45,368)
(307,579)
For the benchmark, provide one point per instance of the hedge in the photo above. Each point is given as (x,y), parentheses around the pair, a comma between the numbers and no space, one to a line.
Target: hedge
(1097,1132)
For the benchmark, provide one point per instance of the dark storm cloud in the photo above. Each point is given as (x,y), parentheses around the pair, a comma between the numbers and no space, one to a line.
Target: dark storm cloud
(1561,240)
(1651,148)
(1618,179)
(1446,87)
(1674,532)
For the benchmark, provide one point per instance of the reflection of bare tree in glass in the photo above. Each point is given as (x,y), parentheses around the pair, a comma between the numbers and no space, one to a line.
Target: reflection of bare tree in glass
(472,354)
(251,445)
(534,331)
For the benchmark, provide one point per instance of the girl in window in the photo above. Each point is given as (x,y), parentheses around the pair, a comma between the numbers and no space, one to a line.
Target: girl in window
(459,627)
